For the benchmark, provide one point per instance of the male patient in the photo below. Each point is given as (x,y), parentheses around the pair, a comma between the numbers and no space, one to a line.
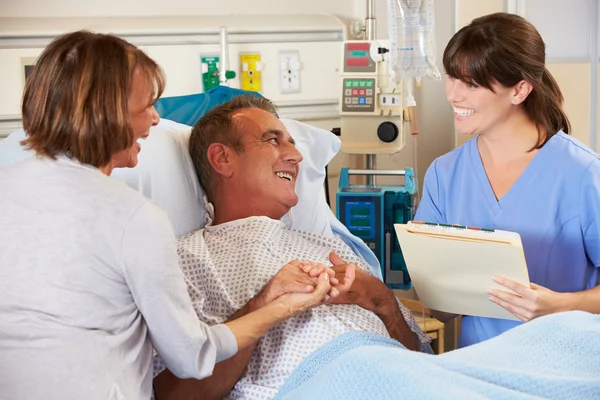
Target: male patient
(247,163)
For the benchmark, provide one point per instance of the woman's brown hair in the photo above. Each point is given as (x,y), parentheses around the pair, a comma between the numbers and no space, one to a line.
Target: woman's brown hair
(75,101)
(506,48)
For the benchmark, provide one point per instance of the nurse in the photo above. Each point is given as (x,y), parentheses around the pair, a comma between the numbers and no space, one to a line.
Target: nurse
(89,275)
(520,172)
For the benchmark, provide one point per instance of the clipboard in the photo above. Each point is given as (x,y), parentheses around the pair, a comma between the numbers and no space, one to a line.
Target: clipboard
(451,266)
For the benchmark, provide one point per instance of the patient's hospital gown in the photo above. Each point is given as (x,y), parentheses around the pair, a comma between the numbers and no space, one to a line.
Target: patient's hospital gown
(228,264)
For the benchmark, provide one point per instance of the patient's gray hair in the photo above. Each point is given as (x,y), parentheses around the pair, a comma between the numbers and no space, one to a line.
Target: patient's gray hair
(216,126)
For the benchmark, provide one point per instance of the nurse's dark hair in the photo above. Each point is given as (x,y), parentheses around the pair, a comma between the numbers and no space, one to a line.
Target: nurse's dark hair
(217,126)
(506,49)
(75,101)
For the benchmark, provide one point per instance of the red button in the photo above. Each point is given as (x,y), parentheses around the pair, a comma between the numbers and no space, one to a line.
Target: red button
(358,46)
(357,62)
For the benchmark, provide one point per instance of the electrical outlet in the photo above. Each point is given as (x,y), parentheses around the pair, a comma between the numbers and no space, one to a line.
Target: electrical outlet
(289,71)
(250,77)
(390,100)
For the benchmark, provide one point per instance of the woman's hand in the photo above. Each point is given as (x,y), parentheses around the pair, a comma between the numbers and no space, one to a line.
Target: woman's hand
(297,303)
(294,277)
(274,305)
(527,303)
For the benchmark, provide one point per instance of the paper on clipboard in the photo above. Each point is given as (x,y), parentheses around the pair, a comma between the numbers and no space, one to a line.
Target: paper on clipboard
(452,268)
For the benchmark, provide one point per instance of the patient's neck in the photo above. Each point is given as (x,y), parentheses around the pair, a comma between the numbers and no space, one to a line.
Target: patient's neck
(234,215)
(230,209)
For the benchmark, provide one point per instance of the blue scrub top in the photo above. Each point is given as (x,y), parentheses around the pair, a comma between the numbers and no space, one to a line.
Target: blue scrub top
(554,206)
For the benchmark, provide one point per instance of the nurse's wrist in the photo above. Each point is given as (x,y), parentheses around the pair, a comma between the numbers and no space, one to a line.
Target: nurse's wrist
(569,302)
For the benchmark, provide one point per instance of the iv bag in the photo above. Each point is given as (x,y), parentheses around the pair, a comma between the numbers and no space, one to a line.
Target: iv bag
(411,30)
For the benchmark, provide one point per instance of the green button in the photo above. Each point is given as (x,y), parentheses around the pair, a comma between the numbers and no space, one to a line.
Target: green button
(362,84)
(360,234)
(360,222)
(360,211)
(354,83)
(359,53)
(348,83)
(369,83)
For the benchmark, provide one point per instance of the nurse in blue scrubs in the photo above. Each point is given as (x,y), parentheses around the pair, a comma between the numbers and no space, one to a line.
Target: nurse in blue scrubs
(521,172)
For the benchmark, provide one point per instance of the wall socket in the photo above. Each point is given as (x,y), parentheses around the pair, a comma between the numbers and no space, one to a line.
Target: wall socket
(390,100)
(289,71)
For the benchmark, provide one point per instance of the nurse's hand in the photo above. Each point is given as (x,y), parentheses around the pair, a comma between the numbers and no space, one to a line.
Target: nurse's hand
(528,302)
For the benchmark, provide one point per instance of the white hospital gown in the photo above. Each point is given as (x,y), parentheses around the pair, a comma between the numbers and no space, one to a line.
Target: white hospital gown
(228,264)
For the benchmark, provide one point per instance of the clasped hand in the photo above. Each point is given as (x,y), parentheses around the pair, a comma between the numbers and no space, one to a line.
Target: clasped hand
(305,284)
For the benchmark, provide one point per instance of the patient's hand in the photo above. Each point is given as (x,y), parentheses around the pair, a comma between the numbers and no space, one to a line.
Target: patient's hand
(373,295)
(292,278)
(364,290)
(338,286)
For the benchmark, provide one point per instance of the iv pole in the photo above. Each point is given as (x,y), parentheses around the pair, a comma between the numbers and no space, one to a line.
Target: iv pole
(370,33)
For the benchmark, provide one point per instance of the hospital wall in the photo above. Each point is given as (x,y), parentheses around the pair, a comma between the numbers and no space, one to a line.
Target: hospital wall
(315,104)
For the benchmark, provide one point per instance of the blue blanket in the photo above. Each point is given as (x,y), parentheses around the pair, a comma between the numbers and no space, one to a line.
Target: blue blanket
(553,357)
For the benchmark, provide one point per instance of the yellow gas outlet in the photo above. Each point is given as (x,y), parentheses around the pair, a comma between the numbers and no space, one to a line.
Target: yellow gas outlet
(250,76)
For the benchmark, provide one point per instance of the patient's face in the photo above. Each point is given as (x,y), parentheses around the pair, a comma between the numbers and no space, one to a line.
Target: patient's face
(265,172)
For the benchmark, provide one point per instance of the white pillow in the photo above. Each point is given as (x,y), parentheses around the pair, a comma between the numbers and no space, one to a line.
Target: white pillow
(317,147)
(165,174)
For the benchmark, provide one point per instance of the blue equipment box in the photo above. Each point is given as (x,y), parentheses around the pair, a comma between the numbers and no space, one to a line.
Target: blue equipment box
(370,212)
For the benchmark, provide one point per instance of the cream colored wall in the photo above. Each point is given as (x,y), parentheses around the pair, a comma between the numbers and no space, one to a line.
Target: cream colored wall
(347,9)
(574,81)
(468,10)
(435,118)
(319,62)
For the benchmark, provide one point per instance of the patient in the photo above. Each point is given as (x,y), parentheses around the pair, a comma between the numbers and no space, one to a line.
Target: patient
(248,164)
